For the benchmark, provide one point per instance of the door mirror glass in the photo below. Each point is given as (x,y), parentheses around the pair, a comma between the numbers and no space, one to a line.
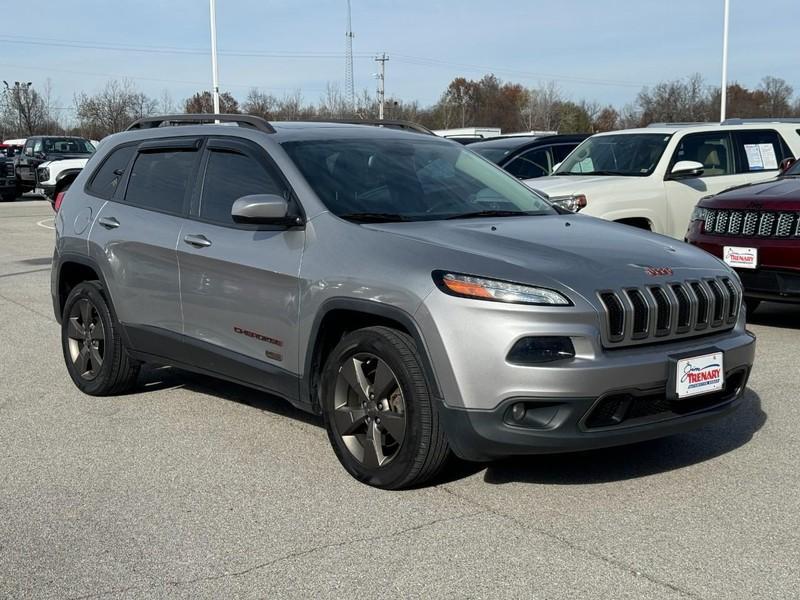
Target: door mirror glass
(266,209)
(786,163)
(687,168)
(28,151)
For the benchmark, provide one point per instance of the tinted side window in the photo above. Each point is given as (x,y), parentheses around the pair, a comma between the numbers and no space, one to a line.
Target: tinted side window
(531,164)
(159,180)
(760,150)
(561,151)
(229,176)
(106,179)
(712,149)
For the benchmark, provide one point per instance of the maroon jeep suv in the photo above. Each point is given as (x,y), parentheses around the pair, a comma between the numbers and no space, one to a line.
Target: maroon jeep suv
(755,228)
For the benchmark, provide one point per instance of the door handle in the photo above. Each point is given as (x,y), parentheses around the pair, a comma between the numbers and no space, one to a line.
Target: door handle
(108,222)
(197,240)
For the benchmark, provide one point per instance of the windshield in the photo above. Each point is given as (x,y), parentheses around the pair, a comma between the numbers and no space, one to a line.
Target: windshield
(632,155)
(409,179)
(67,146)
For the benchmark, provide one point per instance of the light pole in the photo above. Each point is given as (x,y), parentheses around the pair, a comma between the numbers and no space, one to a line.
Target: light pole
(214,70)
(724,89)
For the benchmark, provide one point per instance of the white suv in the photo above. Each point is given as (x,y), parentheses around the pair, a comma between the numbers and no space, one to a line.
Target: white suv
(653,177)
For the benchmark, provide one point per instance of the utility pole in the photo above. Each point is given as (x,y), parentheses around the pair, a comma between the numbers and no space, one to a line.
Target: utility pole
(214,69)
(724,89)
(381,84)
(349,87)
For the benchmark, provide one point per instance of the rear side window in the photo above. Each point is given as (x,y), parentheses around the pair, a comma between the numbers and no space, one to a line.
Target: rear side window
(760,150)
(531,164)
(105,180)
(229,176)
(159,180)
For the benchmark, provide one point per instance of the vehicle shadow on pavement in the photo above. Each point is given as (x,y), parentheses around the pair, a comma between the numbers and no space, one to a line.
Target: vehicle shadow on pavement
(154,379)
(637,460)
(774,314)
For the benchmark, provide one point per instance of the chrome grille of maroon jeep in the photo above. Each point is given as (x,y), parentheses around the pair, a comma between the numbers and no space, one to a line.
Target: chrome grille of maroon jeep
(657,313)
(750,223)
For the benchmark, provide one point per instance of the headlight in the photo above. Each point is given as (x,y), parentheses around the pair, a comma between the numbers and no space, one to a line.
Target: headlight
(572,202)
(468,286)
(699,213)
(44,174)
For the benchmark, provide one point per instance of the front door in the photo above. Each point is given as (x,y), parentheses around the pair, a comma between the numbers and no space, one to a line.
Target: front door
(239,283)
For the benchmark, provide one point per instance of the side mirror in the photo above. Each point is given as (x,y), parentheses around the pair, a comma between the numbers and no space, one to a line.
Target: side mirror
(786,163)
(686,168)
(28,151)
(263,209)
(555,167)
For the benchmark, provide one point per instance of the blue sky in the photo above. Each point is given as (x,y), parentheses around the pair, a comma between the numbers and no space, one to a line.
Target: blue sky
(603,50)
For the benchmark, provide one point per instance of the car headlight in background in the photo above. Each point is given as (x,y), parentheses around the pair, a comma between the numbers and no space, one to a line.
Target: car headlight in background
(571,202)
(699,213)
(469,286)
(43,173)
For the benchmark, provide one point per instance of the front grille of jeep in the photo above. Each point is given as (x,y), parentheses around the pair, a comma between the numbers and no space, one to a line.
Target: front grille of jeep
(752,223)
(663,312)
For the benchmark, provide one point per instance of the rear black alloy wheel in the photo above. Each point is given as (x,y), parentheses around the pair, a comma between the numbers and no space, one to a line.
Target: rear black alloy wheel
(86,339)
(379,412)
(369,410)
(94,352)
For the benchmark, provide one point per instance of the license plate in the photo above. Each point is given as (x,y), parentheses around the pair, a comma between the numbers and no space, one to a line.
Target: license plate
(700,375)
(740,257)
(39,191)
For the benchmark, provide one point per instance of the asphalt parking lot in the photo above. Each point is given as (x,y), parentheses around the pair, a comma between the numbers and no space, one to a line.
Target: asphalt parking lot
(198,488)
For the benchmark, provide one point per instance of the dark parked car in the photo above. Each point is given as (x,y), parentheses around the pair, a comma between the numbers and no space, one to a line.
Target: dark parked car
(8,186)
(755,229)
(39,149)
(528,157)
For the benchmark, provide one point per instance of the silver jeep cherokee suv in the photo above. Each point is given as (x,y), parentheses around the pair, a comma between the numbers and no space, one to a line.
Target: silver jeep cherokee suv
(418,297)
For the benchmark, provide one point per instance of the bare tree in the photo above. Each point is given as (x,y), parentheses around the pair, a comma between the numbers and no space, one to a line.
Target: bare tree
(112,109)
(166,105)
(24,110)
(203,102)
(260,104)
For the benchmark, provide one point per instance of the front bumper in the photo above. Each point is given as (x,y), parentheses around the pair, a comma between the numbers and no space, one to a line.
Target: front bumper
(597,399)
(777,276)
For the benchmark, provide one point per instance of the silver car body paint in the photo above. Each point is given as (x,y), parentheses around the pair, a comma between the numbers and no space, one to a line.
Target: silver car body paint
(274,284)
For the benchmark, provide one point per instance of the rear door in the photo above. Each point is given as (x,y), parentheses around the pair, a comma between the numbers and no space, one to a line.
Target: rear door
(239,283)
(148,187)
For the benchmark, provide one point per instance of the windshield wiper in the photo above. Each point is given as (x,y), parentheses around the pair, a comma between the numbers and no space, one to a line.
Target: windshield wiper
(488,213)
(597,173)
(373,217)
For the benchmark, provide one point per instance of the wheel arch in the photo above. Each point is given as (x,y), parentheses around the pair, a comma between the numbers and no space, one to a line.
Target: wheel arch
(72,270)
(337,317)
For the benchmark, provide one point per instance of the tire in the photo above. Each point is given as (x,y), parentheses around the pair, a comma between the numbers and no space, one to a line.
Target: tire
(751,304)
(422,450)
(10,197)
(96,361)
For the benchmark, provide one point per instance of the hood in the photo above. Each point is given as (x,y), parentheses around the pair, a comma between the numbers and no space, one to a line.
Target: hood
(784,188)
(576,251)
(65,163)
(563,185)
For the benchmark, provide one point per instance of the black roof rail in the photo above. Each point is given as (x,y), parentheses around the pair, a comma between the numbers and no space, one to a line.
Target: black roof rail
(391,124)
(250,121)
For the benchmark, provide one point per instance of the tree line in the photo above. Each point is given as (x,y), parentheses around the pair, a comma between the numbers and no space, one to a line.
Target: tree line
(26,110)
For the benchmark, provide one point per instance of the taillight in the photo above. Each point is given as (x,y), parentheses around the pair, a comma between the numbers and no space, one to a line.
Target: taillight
(59,199)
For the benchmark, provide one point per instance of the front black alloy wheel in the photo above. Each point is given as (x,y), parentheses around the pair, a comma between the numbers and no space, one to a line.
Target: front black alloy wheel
(94,352)
(378,410)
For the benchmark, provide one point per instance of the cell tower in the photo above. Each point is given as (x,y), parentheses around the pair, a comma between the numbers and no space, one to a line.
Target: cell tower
(349,88)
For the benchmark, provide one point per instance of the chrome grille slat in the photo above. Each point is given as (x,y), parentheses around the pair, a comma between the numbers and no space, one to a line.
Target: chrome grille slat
(662,312)
(751,223)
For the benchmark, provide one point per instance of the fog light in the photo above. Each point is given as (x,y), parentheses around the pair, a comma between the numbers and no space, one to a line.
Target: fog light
(535,350)
(518,412)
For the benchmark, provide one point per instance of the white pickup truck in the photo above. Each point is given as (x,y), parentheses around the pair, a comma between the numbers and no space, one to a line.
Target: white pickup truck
(653,177)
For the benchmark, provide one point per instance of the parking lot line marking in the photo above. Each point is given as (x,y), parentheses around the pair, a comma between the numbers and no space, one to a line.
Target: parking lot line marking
(42,223)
